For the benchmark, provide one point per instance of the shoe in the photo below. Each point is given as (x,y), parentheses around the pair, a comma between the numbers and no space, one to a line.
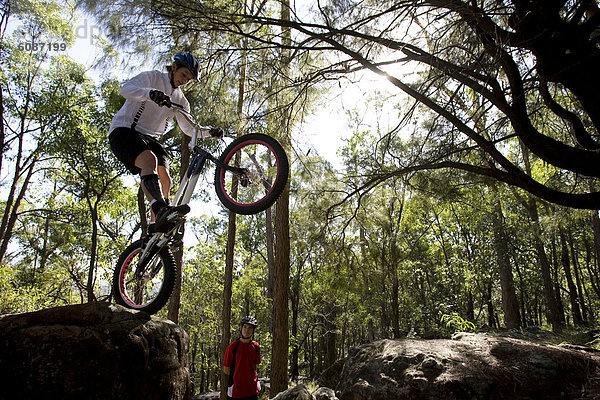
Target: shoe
(168,216)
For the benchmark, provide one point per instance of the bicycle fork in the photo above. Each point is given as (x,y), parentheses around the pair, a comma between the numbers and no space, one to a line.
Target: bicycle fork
(148,251)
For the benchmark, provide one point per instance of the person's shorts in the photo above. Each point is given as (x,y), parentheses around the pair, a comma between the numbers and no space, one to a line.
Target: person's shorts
(127,144)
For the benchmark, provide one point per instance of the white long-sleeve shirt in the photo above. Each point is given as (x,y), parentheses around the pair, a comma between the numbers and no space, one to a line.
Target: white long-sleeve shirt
(149,117)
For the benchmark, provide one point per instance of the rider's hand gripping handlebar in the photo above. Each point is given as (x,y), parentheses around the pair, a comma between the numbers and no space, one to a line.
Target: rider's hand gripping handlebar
(160,98)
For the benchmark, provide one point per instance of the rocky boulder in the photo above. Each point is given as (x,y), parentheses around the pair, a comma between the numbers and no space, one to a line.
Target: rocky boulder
(301,392)
(324,393)
(92,351)
(472,366)
(331,376)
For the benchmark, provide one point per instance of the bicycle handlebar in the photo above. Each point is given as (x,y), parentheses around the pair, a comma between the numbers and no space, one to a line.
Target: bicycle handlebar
(178,108)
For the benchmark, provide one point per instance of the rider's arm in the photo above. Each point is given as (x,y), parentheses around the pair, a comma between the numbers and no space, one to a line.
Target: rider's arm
(183,122)
(187,127)
(138,88)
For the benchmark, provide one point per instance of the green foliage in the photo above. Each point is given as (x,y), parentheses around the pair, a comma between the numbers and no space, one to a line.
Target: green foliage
(56,132)
(44,20)
(30,290)
(455,323)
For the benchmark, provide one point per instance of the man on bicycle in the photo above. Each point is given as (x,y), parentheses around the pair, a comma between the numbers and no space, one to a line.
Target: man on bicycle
(143,118)
(240,361)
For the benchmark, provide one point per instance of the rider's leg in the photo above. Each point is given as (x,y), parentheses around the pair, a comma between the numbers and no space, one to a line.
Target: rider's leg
(151,184)
(152,174)
(165,181)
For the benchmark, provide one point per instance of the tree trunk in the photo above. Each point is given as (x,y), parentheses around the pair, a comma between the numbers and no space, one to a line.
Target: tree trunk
(44,250)
(510,305)
(11,210)
(175,300)
(395,306)
(93,254)
(490,305)
(330,336)
(270,238)
(470,312)
(522,296)
(552,307)
(578,282)
(593,271)
(394,261)
(295,301)
(366,292)
(553,310)
(21,165)
(573,296)
(557,291)
(279,361)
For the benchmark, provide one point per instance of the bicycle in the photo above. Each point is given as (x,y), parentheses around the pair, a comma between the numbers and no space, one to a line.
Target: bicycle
(250,175)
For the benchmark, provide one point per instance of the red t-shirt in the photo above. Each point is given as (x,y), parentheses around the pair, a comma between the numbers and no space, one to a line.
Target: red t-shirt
(247,357)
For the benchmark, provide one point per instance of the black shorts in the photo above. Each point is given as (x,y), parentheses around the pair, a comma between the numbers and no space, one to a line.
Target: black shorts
(127,144)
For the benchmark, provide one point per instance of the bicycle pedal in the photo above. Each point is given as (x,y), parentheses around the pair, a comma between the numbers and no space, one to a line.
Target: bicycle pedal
(178,212)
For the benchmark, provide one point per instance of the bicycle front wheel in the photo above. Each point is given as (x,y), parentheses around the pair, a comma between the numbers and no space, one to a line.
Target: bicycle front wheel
(262,178)
(149,288)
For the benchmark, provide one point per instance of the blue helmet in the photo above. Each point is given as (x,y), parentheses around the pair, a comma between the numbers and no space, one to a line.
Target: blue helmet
(189,61)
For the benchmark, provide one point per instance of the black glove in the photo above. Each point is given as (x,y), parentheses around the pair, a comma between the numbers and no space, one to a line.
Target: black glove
(216,132)
(160,98)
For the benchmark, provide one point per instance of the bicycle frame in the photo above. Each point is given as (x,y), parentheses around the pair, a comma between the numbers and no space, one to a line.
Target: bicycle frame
(186,188)
(197,162)
(251,173)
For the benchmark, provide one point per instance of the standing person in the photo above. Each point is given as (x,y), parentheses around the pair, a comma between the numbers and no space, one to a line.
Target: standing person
(145,116)
(241,359)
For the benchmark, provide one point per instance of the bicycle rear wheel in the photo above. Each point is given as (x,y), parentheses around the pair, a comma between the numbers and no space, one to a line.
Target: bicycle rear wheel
(266,169)
(149,289)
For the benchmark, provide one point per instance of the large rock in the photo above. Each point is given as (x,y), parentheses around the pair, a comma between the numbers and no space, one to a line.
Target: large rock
(92,351)
(331,376)
(301,392)
(469,367)
(324,393)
